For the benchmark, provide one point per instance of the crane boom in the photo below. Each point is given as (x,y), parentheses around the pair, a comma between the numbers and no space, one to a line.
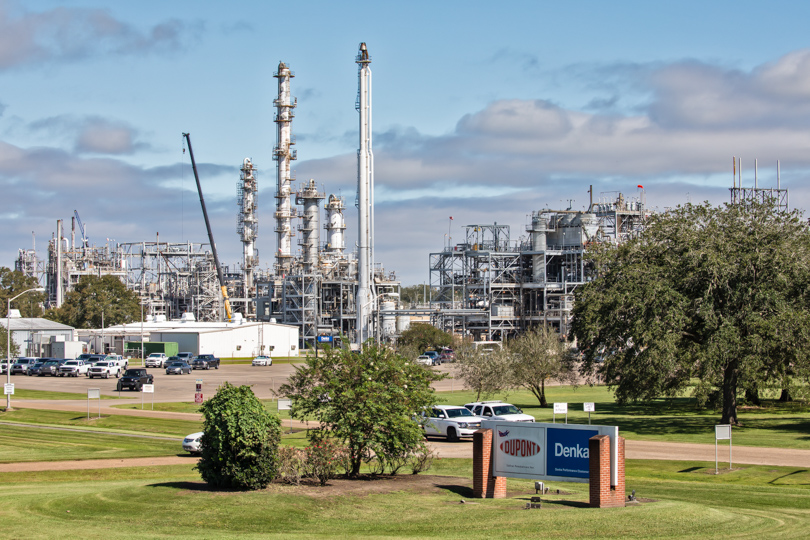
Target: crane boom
(222,285)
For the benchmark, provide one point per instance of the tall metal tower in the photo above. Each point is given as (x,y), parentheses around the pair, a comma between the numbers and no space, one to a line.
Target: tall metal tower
(248,222)
(365,200)
(310,198)
(284,155)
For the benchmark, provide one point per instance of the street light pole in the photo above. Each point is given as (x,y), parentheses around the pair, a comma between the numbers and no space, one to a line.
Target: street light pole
(8,340)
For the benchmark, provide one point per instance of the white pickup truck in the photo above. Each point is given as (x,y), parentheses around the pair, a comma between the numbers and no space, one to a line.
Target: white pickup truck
(105,369)
(73,368)
(156,359)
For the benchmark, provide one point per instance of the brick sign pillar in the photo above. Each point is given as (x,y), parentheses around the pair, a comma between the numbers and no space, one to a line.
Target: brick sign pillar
(603,495)
(485,486)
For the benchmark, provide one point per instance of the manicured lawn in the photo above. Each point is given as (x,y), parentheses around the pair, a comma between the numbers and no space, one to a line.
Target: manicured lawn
(121,424)
(22,393)
(678,420)
(158,502)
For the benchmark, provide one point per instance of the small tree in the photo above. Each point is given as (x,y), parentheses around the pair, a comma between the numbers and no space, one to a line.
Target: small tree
(364,400)
(424,337)
(12,283)
(484,372)
(240,440)
(539,355)
(95,298)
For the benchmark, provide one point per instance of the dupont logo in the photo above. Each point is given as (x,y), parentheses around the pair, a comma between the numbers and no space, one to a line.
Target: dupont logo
(520,448)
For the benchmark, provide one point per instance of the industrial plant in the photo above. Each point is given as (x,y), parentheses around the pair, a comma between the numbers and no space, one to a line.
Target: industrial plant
(491,286)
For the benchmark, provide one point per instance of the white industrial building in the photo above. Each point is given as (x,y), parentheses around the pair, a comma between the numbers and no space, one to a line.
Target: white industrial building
(238,339)
(41,337)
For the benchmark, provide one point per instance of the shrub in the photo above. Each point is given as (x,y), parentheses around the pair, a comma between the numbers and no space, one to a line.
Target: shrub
(291,462)
(240,440)
(422,459)
(322,460)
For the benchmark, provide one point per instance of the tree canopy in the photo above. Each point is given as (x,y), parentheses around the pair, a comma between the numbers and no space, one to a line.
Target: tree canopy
(93,296)
(716,298)
(365,400)
(423,337)
(13,283)
(483,372)
(538,355)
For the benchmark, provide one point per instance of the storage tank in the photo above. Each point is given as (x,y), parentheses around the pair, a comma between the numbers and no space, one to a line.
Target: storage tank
(389,318)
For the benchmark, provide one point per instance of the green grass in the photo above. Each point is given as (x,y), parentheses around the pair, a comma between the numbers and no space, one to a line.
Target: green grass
(190,407)
(22,393)
(678,420)
(121,424)
(158,502)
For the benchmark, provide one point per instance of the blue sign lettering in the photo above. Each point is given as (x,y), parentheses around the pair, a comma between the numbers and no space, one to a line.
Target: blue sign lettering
(567,452)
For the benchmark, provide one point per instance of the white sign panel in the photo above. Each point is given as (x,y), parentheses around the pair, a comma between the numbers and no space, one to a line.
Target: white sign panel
(556,452)
(589,407)
(8,389)
(561,408)
(284,404)
(149,389)
(93,393)
(722,432)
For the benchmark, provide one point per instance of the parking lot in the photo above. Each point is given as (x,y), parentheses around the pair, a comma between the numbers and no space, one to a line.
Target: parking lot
(263,379)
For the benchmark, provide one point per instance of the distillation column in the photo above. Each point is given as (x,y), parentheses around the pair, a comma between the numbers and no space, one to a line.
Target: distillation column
(335,224)
(365,198)
(311,199)
(248,223)
(284,155)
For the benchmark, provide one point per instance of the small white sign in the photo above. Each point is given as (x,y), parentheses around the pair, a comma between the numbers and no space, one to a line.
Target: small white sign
(8,389)
(589,407)
(149,389)
(284,404)
(561,408)
(93,393)
(722,432)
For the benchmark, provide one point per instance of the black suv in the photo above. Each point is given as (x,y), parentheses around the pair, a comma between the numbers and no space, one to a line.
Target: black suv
(134,379)
(50,366)
(205,361)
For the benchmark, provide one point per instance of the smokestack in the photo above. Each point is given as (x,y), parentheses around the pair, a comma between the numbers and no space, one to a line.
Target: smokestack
(365,200)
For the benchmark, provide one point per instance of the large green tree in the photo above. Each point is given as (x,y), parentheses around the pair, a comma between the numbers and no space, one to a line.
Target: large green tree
(716,297)
(94,297)
(423,337)
(366,400)
(537,356)
(240,440)
(484,372)
(13,283)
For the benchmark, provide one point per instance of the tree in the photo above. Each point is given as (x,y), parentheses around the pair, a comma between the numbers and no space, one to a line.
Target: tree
(716,295)
(366,400)
(424,337)
(537,356)
(483,372)
(95,297)
(13,283)
(15,350)
(240,440)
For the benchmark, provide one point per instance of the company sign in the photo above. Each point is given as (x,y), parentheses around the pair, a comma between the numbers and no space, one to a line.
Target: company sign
(546,451)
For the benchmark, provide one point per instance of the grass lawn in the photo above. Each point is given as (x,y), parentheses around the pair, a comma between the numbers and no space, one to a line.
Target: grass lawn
(121,424)
(785,425)
(158,502)
(21,393)
(191,407)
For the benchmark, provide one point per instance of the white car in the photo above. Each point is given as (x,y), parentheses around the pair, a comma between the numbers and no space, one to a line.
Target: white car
(450,421)
(424,360)
(498,410)
(73,368)
(192,443)
(262,361)
(156,359)
(105,369)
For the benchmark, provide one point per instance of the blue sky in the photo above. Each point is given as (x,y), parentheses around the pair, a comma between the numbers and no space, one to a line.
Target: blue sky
(482,112)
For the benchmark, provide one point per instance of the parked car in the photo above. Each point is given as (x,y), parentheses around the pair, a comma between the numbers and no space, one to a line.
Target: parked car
(447,356)
(36,368)
(157,359)
(205,361)
(134,379)
(192,443)
(177,367)
(22,364)
(104,369)
(4,366)
(50,366)
(498,410)
(73,368)
(262,361)
(424,360)
(450,421)
(434,356)
(118,359)
(186,356)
